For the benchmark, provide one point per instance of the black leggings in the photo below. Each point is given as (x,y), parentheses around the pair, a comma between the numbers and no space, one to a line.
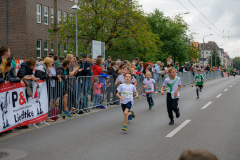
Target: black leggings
(172,105)
(149,98)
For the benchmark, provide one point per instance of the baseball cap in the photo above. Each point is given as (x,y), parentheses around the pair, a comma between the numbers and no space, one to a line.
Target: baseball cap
(109,57)
(118,57)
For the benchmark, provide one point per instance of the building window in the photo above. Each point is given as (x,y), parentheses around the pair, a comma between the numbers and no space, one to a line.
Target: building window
(59,16)
(64,16)
(52,15)
(46,15)
(39,13)
(71,17)
(206,52)
(38,48)
(59,50)
(45,48)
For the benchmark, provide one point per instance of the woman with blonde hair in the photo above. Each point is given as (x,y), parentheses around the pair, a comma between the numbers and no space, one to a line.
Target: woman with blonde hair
(42,69)
(6,74)
(45,71)
(5,69)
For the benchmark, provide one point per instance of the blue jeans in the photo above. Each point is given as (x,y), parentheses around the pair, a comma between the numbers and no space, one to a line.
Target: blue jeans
(98,98)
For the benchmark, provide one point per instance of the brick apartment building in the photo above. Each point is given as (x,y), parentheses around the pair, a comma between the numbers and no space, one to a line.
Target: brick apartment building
(28,22)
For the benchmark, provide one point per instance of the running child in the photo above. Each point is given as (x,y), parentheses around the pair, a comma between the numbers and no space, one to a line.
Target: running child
(174,85)
(126,99)
(199,82)
(234,73)
(148,84)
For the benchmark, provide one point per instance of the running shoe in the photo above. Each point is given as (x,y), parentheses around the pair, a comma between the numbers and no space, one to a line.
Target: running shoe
(130,117)
(97,105)
(133,115)
(200,90)
(124,128)
(152,103)
(150,108)
(197,97)
(66,113)
(102,107)
(171,122)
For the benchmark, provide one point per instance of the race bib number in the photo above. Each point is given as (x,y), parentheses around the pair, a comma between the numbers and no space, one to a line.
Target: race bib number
(148,88)
(198,80)
(126,94)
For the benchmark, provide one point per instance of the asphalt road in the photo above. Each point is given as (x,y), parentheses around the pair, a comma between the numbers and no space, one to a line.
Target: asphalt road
(98,136)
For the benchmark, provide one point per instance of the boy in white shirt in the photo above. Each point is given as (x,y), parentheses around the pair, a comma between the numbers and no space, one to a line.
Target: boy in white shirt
(126,99)
(174,85)
(148,84)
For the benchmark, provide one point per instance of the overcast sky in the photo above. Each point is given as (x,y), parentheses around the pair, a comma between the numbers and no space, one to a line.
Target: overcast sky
(223,14)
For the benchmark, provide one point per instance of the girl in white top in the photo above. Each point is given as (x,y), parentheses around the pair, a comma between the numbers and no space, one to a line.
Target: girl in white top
(148,84)
(174,85)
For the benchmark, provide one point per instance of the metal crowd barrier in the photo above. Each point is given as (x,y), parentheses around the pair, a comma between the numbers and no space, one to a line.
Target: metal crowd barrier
(78,92)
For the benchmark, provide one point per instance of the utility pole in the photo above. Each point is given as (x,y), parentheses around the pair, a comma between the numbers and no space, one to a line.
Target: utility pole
(203,53)
(55,29)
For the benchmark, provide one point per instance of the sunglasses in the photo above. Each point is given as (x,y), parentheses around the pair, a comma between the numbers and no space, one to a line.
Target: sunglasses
(84,57)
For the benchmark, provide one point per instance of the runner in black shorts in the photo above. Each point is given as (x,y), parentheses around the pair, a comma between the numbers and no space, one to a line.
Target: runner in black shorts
(199,82)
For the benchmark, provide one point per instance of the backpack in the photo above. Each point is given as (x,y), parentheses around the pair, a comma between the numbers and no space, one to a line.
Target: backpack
(53,113)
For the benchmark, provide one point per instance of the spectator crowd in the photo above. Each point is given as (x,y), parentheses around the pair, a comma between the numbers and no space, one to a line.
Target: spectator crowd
(103,76)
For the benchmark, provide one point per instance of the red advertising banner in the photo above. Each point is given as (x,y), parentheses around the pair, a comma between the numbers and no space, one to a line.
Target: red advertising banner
(17,109)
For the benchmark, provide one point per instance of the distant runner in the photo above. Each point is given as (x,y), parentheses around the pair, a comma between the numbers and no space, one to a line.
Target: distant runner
(199,82)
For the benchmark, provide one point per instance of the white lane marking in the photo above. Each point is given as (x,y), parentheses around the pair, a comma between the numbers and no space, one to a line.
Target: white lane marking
(225,90)
(230,86)
(171,134)
(204,107)
(233,83)
(219,96)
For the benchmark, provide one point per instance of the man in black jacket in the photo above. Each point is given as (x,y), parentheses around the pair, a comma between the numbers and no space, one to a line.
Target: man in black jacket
(26,70)
(85,66)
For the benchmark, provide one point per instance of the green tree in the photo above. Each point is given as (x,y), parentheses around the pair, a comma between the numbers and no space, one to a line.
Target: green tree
(214,54)
(120,24)
(236,63)
(173,38)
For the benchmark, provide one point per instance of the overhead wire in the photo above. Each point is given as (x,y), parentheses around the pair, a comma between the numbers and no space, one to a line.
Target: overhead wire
(208,20)
(199,19)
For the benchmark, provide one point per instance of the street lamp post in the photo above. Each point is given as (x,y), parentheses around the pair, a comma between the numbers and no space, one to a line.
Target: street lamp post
(203,48)
(76,8)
